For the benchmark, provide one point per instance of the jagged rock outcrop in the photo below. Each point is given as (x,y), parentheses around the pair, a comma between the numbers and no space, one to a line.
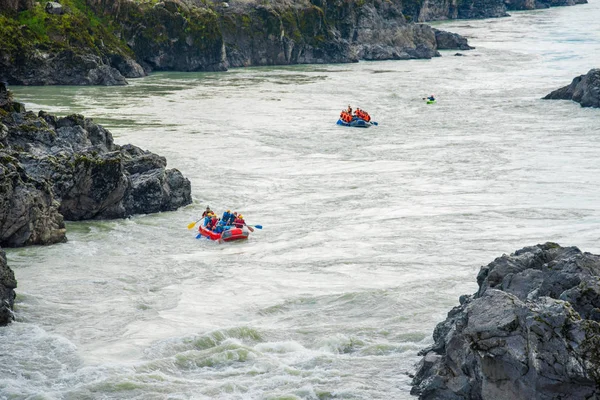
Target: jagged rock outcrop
(532,331)
(585,89)
(450,41)
(8,283)
(70,167)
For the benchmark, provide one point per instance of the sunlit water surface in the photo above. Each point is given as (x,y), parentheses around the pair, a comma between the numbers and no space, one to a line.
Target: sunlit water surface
(368,239)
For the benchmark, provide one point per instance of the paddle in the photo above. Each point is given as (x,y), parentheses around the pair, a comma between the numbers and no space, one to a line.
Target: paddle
(192,224)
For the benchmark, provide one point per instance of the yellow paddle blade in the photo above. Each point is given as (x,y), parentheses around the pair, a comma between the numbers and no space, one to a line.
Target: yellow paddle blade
(192,224)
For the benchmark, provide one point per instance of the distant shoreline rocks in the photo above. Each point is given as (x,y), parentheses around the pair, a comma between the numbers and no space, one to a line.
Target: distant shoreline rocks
(55,169)
(532,331)
(584,89)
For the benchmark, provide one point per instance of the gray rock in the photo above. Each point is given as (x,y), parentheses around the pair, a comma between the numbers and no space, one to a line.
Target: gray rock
(530,332)
(451,41)
(127,66)
(54,168)
(63,68)
(7,293)
(585,89)
(28,212)
(54,8)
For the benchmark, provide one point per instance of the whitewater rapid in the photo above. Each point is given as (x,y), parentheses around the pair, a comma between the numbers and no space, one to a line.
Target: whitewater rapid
(369,236)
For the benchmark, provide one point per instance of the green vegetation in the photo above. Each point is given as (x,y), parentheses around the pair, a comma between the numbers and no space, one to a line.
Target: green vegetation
(79,29)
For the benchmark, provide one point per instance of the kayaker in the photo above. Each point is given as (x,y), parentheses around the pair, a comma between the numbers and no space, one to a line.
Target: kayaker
(431,98)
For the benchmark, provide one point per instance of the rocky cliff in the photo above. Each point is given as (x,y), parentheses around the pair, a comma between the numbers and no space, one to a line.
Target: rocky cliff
(103,42)
(7,293)
(69,168)
(585,89)
(64,45)
(322,32)
(532,331)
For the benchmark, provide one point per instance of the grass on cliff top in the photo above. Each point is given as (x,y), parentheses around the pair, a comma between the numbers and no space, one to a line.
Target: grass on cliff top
(79,28)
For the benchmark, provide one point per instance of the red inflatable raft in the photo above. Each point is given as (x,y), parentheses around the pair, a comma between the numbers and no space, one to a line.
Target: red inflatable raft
(226,236)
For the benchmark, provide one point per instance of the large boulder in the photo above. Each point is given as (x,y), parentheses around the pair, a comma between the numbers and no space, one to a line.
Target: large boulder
(450,41)
(531,331)
(7,293)
(585,90)
(54,168)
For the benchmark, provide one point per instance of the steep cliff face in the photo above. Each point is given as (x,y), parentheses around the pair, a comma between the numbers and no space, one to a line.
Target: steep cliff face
(167,35)
(279,35)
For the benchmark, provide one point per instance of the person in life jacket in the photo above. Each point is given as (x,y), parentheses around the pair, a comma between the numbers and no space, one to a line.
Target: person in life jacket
(349,109)
(239,221)
(431,98)
(225,217)
(344,116)
(362,114)
(206,212)
(211,224)
(232,218)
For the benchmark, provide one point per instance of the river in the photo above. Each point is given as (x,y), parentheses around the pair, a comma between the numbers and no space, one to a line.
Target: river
(369,236)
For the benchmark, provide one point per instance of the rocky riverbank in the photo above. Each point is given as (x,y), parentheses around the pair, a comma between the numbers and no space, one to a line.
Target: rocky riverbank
(56,169)
(585,90)
(103,43)
(532,331)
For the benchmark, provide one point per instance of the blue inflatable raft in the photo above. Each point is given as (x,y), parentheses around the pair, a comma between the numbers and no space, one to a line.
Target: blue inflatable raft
(356,123)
